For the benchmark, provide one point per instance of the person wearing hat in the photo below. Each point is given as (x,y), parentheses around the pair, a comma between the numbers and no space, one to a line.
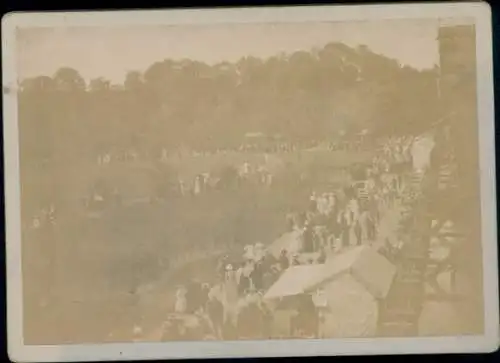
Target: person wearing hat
(257,273)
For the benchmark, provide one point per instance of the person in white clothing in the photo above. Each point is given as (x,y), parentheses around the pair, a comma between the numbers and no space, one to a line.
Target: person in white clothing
(421,152)
(180,300)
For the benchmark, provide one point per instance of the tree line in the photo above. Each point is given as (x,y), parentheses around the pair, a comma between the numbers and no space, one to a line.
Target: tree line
(305,95)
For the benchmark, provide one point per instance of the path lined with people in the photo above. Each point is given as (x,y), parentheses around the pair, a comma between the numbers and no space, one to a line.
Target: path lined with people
(366,212)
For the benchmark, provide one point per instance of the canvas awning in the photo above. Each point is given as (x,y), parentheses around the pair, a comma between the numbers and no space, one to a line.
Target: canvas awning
(366,265)
(295,280)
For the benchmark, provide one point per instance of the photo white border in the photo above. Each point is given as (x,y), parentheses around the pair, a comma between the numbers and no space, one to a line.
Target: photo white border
(478,11)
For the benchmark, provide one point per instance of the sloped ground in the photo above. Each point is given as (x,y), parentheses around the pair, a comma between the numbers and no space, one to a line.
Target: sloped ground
(82,278)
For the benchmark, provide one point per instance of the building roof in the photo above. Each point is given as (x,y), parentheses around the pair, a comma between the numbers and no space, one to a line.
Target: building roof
(295,280)
(374,272)
(365,264)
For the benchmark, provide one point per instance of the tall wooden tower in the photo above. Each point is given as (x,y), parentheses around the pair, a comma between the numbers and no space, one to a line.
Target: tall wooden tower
(455,201)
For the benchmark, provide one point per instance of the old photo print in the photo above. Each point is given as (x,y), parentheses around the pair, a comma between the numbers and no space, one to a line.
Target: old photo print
(250,182)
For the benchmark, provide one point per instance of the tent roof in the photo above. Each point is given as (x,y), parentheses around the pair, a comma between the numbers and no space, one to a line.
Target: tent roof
(295,280)
(344,260)
(366,265)
(375,272)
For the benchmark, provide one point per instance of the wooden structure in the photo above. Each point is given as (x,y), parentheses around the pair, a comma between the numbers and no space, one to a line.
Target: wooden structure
(449,185)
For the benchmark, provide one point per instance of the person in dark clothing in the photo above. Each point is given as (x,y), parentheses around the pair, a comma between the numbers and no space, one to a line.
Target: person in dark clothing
(257,275)
(344,232)
(268,262)
(283,260)
(308,239)
(244,284)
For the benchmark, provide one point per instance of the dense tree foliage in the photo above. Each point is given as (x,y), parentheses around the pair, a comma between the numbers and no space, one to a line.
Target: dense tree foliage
(304,95)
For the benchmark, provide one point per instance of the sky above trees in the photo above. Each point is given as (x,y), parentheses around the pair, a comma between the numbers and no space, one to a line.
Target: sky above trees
(302,96)
(114,51)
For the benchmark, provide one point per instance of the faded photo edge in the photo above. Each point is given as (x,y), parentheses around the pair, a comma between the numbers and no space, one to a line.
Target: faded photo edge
(489,342)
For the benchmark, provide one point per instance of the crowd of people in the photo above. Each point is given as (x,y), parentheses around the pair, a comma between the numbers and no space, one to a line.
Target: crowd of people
(204,181)
(334,220)
(234,306)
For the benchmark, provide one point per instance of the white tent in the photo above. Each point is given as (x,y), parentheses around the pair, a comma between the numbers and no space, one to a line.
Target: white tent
(352,282)
(367,266)
(295,280)
(355,281)
(290,242)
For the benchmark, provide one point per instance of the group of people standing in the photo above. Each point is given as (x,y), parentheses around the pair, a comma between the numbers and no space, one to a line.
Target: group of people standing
(234,307)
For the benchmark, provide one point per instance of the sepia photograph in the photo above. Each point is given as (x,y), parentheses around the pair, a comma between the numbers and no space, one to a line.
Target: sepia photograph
(272,176)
